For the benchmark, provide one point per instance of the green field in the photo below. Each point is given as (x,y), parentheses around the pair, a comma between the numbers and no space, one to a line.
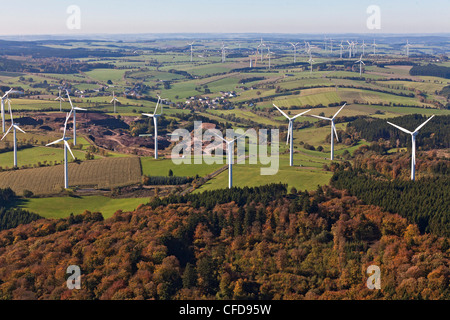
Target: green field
(62,207)
(302,178)
(161,167)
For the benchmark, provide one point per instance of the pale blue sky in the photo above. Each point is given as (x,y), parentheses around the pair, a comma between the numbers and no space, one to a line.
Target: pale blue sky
(204,16)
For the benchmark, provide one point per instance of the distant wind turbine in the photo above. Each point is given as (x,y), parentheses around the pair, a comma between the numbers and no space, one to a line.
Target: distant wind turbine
(310,62)
(113,100)
(191,44)
(61,99)
(64,139)
(413,149)
(362,47)
(5,97)
(295,49)
(290,133)
(13,127)
(333,129)
(74,111)
(374,45)
(341,47)
(230,160)
(360,65)
(407,48)
(155,117)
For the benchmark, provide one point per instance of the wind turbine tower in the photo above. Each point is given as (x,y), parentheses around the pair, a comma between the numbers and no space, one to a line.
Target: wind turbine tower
(333,129)
(290,134)
(413,149)
(64,139)
(74,111)
(230,159)
(14,127)
(155,117)
(113,100)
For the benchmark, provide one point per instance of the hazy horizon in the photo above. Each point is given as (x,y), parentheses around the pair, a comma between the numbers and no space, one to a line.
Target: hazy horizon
(232,16)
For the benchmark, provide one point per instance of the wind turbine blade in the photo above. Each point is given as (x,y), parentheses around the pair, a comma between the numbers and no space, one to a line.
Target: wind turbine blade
(320,117)
(6,133)
(339,110)
(54,142)
(284,114)
(148,115)
(219,137)
(238,137)
(18,128)
(335,132)
(300,114)
(419,127)
(81,109)
(68,148)
(400,128)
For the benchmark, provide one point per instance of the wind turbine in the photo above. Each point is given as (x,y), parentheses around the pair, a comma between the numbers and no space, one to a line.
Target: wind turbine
(333,129)
(223,52)
(331,45)
(349,49)
(230,160)
(413,149)
(407,48)
(363,46)
(261,45)
(310,62)
(74,111)
(14,127)
(190,44)
(64,139)
(155,117)
(360,65)
(269,53)
(341,47)
(5,97)
(374,46)
(114,99)
(290,135)
(295,48)
(61,99)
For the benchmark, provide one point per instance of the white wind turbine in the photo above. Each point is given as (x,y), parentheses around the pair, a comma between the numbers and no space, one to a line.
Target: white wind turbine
(349,49)
(64,139)
(5,97)
(290,133)
(310,62)
(333,129)
(155,117)
(341,47)
(331,45)
(363,46)
(261,51)
(223,52)
(61,99)
(374,46)
(191,44)
(407,48)
(295,49)
(413,149)
(269,53)
(230,160)
(74,111)
(113,100)
(360,65)
(14,127)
